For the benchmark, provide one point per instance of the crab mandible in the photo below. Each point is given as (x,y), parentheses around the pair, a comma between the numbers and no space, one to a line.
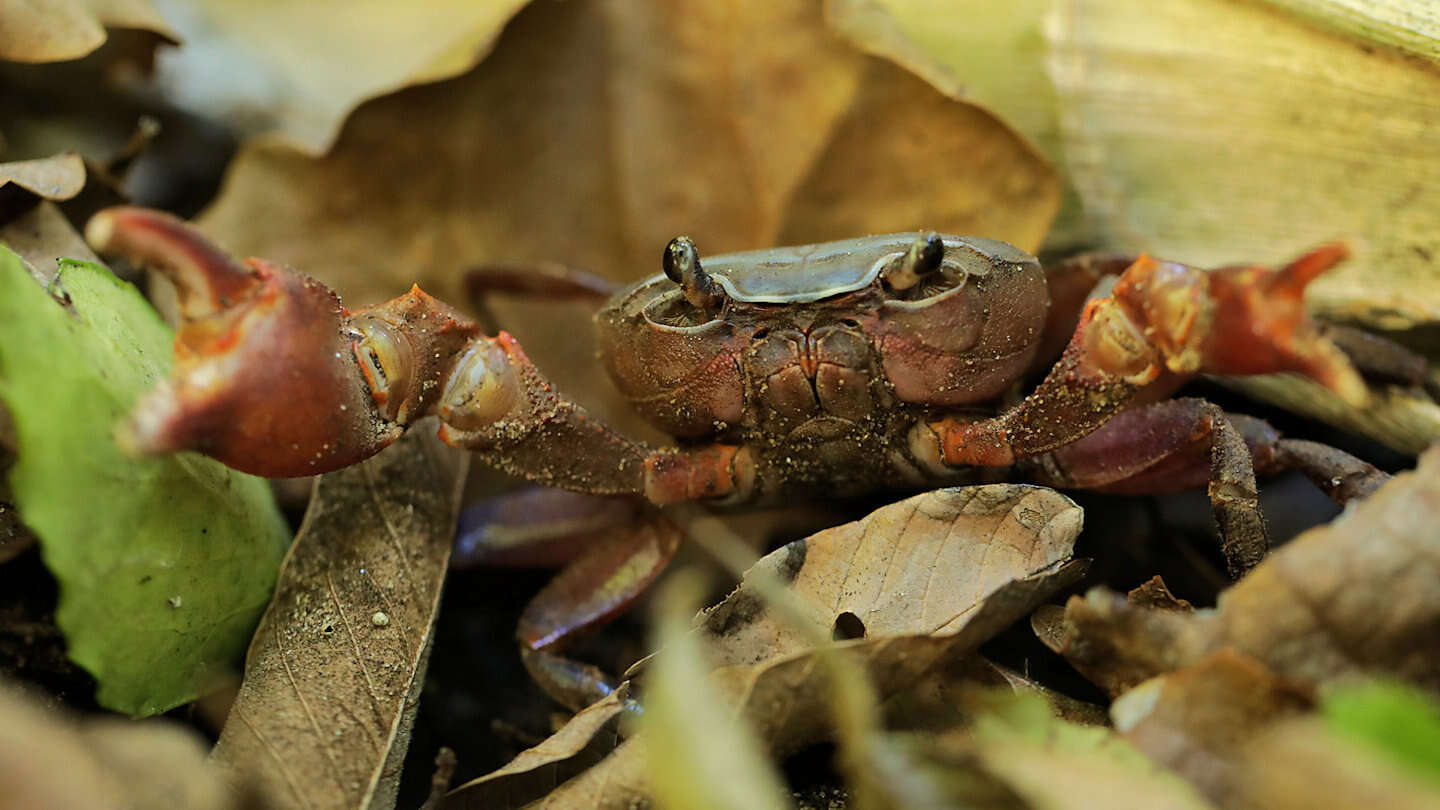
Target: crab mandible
(833,369)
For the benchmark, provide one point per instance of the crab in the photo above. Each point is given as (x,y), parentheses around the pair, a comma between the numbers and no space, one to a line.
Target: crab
(882,362)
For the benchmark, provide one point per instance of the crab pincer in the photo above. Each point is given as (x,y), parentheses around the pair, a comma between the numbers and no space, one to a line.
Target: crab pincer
(1163,323)
(272,375)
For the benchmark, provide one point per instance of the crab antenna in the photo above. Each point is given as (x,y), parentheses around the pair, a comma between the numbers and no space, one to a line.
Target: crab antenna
(924,257)
(682,266)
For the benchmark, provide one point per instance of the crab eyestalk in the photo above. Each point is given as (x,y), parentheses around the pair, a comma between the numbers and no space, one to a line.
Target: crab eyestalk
(924,257)
(681,263)
(266,378)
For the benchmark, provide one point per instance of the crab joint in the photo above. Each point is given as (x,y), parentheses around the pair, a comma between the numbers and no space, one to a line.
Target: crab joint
(482,387)
(942,445)
(712,472)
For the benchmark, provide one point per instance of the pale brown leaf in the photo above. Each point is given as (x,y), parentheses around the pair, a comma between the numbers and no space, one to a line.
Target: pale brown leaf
(52,761)
(57,30)
(1210,131)
(922,565)
(334,670)
(294,71)
(54,178)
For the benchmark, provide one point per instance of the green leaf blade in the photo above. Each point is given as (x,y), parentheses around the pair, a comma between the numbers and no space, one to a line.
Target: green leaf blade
(164,564)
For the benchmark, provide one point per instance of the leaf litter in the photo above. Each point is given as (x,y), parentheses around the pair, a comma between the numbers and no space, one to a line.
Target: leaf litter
(619,168)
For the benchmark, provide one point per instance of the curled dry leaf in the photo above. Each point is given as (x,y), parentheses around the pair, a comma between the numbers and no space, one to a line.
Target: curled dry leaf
(1197,720)
(919,566)
(1215,131)
(54,178)
(296,70)
(51,761)
(68,29)
(335,668)
(1356,596)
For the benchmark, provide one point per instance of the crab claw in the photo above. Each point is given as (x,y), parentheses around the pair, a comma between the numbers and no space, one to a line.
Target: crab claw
(272,376)
(1237,320)
(1260,324)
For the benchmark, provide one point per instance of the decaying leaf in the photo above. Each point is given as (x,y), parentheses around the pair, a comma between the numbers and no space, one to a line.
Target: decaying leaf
(180,552)
(1197,720)
(52,761)
(296,70)
(56,30)
(919,566)
(1356,596)
(54,178)
(334,670)
(1212,132)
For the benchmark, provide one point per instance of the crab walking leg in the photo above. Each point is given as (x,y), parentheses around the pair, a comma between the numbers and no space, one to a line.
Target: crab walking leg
(588,593)
(1164,321)
(1172,445)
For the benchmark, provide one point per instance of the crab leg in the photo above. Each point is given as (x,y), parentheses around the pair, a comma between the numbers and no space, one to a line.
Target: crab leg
(1163,322)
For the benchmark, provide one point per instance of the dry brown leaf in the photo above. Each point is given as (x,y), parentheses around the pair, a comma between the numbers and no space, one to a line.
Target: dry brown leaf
(51,761)
(334,670)
(1197,720)
(295,70)
(594,133)
(580,743)
(1211,131)
(57,30)
(54,178)
(1356,596)
(42,236)
(919,566)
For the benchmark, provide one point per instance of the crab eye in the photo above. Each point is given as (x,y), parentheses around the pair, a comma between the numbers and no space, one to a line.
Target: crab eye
(385,361)
(924,257)
(680,259)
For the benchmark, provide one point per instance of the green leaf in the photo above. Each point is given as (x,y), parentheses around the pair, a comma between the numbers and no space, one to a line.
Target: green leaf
(1401,722)
(164,564)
